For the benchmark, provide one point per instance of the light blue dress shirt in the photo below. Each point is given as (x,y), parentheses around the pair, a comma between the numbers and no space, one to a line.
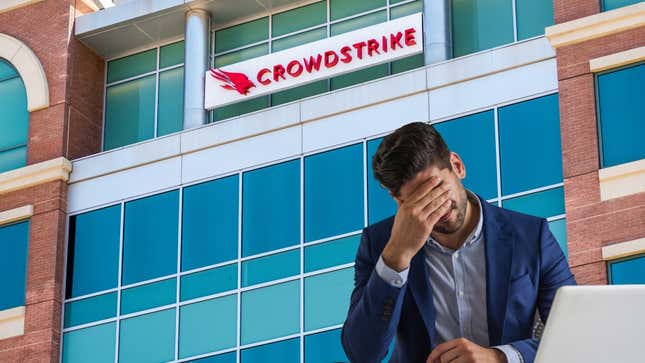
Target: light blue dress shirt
(458,280)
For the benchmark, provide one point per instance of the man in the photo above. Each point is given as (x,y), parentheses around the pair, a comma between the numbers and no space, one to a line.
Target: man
(455,278)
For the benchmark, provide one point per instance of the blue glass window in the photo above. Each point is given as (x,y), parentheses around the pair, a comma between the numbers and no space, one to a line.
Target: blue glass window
(210,223)
(150,237)
(324,348)
(93,257)
(559,230)
(91,309)
(480,24)
(272,267)
(628,271)
(327,298)
(13,264)
(615,4)
(472,137)
(208,282)
(287,351)
(380,204)
(530,151)
(621,109)
(543,204)
(98,342)
(271,208)
(148,296)
(220,358)
(332,253)
(334,192)
(208,326)
(147,338)
(532,17)
(284,319)
(14,118)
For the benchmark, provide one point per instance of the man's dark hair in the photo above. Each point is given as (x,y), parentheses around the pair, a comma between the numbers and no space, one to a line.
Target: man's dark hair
(407,151)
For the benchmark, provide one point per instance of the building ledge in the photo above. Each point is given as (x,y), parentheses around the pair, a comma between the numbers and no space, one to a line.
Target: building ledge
(12,322)
(35,174)
(622,180)
(16,214)
(617,59)
(596,26)
(623,249)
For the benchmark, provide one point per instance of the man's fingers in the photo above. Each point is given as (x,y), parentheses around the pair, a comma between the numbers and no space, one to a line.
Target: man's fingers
(433,200)
(451,355)
(435,216)
(423,189)
(442,348)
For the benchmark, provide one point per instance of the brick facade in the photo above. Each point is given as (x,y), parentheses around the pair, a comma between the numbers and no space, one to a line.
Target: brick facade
(69,127)
(591,223)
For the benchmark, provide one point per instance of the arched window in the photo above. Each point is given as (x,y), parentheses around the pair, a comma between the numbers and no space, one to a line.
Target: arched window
(14,118)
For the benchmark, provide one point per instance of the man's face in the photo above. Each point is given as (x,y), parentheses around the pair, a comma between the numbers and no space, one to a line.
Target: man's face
(453,220)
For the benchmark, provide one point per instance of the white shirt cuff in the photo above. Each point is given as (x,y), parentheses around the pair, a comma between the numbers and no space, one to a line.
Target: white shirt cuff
(396,279)
(512,354)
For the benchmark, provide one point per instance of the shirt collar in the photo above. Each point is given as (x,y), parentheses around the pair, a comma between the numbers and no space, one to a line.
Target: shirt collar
(474,235)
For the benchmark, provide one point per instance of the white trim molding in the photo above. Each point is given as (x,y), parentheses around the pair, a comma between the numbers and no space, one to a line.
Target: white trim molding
(617,59)
(34,174)
(30,69)
(623,249)
(8,5)
(16,214)
(621,180)
(596,26)
(12,322)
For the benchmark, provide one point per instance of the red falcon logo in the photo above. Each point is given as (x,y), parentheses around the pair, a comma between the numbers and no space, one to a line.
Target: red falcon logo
(233,81)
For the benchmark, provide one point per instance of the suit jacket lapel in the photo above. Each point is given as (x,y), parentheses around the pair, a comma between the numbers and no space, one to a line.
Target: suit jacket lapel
(499,246)
(422,293)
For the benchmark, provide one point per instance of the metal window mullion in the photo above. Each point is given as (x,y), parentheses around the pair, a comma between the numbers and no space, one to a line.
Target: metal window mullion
(533,191)
(138,76)
(365,181)
(154,131)
(118,296)
(238,333)
(242,47)
(177,276)
(9,148)
(498,157)
(302,259)
(62,320)
(514,20)
(105,72)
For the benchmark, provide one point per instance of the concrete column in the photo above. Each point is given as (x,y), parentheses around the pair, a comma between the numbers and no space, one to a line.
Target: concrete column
(195,65)
(437,31)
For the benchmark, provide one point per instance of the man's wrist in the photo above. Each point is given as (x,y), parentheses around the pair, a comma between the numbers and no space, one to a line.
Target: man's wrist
(501,356)
(394,259)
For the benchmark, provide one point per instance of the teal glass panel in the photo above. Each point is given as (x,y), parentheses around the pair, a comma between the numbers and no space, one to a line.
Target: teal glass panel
(532,17)
(171,54)
(150,237)
(148,338)
(472,137)
(559,230)
(272,267)
(299,92)
(129,112)
(13,264)
(406,9)
(220,358)
(93,257)
(360,76)
(327,298)
(380,204)
(543,204)
(299,39)
(210,223)
(358,23)
(242,34)
(241,55)
(170,110)
(324,348)
(286,351)
(7,70)
(208,282)
(98,342)
(271,208)
(284,317)
(621,109)
(132,65)
(299,18)
(240,108)
(14,118)
(630,271)
(208,326)
(530,151)
(148,296)
(615,4)
(13,158)
(480,24)
(342,8)
(407,63)
(91,309)
(334,192)
(332,253)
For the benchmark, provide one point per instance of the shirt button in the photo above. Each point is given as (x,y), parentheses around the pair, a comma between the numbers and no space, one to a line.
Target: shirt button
(398,282)
(461,293)
(456,255)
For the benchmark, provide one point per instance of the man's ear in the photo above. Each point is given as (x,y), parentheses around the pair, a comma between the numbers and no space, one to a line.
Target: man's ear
(458,166)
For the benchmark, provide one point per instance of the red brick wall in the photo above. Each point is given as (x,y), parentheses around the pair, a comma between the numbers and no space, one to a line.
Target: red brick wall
(591,223)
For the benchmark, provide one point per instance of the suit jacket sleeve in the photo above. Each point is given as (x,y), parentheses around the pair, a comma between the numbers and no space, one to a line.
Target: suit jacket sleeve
(554,272)
(374,311)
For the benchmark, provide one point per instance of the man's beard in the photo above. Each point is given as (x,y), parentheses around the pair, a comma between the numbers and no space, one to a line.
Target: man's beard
(449,227)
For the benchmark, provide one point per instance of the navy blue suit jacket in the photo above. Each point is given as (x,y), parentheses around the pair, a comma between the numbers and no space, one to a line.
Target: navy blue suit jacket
(524,268)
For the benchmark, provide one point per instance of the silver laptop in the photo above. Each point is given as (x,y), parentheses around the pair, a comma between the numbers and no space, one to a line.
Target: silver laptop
(590,324)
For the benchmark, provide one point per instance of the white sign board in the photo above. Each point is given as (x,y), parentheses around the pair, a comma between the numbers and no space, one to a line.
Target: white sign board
(310,62)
